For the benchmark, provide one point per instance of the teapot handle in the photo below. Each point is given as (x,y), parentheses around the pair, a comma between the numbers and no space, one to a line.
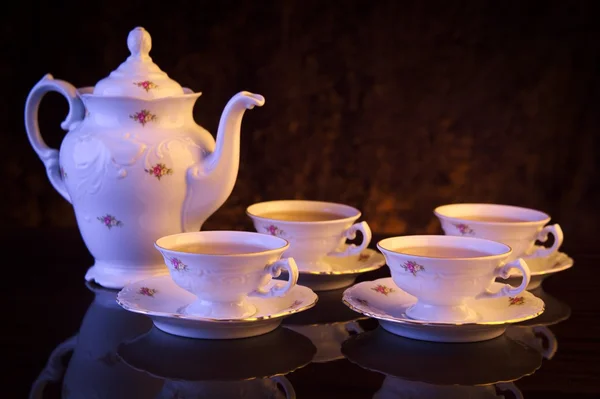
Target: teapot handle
(49,156)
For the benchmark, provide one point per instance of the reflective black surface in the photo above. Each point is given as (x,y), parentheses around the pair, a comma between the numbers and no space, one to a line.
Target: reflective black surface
(71,340)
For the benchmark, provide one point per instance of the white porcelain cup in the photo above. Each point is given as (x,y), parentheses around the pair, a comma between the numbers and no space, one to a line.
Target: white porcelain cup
(223,281)
(443,284)
(312,241)
(514,226)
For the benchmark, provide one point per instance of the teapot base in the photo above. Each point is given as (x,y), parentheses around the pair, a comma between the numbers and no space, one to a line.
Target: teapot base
(116,276)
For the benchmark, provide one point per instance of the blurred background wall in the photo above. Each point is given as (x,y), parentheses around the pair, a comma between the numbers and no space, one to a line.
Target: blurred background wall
(391,106)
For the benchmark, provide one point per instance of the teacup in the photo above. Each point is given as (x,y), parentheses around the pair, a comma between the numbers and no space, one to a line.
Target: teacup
(442,272)
(514,226)
(223,267)
(314,229)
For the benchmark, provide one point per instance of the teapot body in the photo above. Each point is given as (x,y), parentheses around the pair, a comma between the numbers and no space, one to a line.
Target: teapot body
(124,169)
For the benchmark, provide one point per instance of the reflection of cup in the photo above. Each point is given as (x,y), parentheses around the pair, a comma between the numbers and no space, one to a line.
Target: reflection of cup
(514,226)
(223,267)
(442,272)
(314,229)
(394,388)
(328,338)
(539,338)
(259,388)
(94,369)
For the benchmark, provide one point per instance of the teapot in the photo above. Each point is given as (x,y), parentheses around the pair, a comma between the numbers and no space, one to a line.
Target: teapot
(134,164)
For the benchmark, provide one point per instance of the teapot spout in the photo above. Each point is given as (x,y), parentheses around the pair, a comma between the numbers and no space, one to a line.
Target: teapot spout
(211,181)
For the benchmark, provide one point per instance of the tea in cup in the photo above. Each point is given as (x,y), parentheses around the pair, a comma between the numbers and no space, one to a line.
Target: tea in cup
(223,267)
(314,229)
(514,226)
(442,272)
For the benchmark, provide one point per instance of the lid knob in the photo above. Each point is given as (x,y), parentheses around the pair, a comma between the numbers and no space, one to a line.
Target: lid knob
(139,42)
(138,76)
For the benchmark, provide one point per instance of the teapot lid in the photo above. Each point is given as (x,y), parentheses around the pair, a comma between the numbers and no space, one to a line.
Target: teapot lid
(138,76)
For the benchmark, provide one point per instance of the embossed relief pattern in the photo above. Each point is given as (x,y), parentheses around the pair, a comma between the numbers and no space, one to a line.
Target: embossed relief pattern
(384,105)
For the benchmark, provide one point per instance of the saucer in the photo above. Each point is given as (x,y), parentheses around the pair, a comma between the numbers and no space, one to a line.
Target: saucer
(542,268)
(499,360)
(383,300)
(341,272)
(165,302)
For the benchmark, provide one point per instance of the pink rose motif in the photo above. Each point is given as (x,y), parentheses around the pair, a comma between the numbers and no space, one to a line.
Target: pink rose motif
(412,267)
(382,289)
(274,230)
(159,170)
(178,265)
(519,300)
(146,85)
(464,229)
(110,221)
(296,303)
(147,291)
(143,117)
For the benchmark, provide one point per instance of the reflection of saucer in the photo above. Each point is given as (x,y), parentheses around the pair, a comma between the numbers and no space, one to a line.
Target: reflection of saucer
(164,302)
(342,272)
(555,310)
(176,358)
(541,268)
(488,362)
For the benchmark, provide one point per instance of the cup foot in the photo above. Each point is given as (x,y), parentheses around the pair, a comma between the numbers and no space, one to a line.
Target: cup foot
(114,275)
(221,310)
(441,314)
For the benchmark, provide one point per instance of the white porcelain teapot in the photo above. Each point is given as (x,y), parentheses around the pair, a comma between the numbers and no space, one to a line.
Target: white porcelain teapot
(134,164)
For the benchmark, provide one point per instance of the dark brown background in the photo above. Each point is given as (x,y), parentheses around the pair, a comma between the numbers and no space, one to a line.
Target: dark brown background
(394,107)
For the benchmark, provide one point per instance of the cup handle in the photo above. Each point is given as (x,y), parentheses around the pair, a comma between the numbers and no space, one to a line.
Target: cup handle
(509,386)
(542,236)
(350,234)
(503,271)
(274,269)
(290,393)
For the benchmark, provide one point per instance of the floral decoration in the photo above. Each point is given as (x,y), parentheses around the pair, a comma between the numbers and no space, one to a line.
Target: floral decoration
(464,229)
(364,256)
(412,267)
(147,291)
(110,221)
(517,300)
(363,302)
(382,289)
(159,170)
(178,265)
(143,117)
(146,85)
(274,230)
(295,304)
(63,174)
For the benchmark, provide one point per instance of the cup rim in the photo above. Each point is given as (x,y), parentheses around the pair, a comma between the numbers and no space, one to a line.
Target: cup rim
(506,253)
(438,211)
(252,214)
(230,233)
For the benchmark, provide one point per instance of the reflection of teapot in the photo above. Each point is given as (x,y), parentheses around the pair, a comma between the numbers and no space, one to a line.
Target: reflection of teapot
(258,388)
(94,370)
(398,388)
(134,164)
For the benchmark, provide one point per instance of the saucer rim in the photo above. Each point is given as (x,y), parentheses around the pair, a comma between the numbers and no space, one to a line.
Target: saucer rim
(193,318)
(378,263)
(407,320)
